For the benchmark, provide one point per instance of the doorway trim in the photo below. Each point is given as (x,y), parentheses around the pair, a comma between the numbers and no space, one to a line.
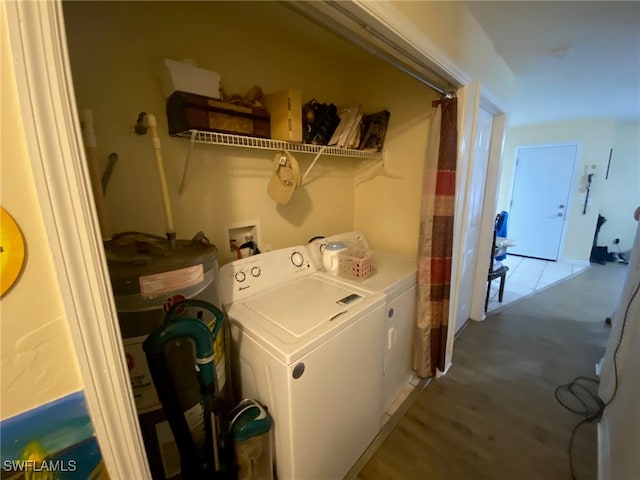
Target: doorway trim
(54,141)
(486,100)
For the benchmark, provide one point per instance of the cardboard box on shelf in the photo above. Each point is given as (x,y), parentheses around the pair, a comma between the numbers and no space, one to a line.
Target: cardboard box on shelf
(186,111)
(285,109)
(185,76)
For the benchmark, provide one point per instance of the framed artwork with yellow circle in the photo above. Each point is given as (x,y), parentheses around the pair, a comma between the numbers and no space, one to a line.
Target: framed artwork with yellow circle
(11,251)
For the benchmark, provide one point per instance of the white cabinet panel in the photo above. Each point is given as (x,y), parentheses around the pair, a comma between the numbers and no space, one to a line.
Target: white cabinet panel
(399,325)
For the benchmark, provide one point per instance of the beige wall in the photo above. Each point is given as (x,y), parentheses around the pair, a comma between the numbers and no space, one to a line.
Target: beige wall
(622,189)
(451,27)
(114,76)
(389,210)
(272,47)
(38,359)
(620,382)
(595,138)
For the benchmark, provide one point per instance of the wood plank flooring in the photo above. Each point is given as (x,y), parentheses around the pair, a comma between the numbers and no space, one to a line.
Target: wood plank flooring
(494,415)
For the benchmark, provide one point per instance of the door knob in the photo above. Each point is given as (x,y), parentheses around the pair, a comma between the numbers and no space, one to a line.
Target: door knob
(561,206)
(560,215)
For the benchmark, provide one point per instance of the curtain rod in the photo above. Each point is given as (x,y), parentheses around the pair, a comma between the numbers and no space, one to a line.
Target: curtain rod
(403,53)
(392,61)
(448,92)
(317,13)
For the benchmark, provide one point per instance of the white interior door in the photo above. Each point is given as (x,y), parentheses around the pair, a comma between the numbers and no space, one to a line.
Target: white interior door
(539,200)
(475,198)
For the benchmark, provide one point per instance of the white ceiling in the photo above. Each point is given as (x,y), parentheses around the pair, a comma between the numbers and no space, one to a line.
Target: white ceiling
(571,59)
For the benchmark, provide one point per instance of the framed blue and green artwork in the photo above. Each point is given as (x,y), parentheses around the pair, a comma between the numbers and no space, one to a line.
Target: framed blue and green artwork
(55,441)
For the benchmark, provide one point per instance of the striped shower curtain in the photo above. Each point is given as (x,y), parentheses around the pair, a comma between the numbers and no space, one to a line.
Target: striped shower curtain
(436,239)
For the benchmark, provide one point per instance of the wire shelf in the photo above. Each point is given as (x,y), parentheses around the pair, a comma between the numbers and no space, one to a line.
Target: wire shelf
(216,138)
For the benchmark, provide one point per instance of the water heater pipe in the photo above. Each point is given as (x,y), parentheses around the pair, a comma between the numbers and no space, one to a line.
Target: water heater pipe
(90,144)
(153,126)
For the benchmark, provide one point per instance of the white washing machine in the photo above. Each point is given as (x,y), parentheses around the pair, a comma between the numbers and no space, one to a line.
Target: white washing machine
(396,277)
(305,346)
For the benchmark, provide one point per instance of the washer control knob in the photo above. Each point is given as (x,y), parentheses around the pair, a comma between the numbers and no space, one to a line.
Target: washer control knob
(297,259)
(255,271)
(240,276)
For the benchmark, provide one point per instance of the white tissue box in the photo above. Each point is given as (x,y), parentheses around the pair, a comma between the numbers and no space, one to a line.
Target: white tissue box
(186,77)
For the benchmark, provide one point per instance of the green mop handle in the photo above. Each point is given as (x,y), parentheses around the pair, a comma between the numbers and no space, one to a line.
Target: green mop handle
(211,403)
(190,328)
(192,465)
(171,316)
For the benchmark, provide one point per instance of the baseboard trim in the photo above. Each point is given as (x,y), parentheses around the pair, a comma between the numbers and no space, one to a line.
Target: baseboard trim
(604,460)
(386,429)
(575,261)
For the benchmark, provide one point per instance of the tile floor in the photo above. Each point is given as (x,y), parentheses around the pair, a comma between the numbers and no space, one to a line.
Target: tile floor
(529,275)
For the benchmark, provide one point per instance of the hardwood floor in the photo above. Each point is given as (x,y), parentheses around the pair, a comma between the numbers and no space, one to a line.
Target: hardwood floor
(494,415)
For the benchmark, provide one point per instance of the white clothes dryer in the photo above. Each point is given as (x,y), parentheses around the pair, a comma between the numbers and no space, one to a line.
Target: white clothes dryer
(304,346)
(396,277)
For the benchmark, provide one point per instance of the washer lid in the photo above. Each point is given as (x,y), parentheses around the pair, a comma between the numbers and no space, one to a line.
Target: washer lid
(303,305)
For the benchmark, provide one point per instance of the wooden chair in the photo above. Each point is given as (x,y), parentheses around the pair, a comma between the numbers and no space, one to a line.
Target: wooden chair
(494,273)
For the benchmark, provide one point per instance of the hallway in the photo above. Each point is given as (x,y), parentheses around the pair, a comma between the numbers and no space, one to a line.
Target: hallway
(527,276)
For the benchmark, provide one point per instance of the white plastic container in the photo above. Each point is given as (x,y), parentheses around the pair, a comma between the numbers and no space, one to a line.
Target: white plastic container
(186,76)
(330,256)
